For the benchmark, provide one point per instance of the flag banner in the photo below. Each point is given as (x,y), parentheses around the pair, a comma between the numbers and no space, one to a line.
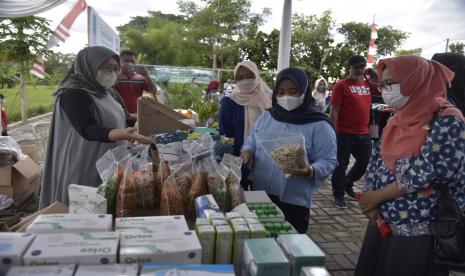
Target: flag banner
(100,33)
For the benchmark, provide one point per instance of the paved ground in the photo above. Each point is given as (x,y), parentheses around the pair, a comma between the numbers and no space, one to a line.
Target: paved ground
(339,232)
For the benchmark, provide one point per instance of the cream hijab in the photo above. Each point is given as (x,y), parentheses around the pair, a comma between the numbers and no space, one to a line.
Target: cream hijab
(255,102)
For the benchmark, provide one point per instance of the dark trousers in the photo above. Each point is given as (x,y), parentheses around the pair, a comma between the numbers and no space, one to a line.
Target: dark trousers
(350,144)
(399,256)
(297,216)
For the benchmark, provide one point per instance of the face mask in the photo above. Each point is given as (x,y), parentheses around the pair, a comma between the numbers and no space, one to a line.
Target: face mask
(393,98)
(247,86)
(106,80)
(321,88)
(290,102)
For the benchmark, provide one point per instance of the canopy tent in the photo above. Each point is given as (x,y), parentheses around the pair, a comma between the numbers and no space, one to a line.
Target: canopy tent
(14,8)
(284,52)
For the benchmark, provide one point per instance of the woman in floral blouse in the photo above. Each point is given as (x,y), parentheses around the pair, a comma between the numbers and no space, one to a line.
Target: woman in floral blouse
(422,148)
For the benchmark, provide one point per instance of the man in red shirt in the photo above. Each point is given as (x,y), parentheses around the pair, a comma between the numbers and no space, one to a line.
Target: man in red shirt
(4,117)
(132,82)
(350,113)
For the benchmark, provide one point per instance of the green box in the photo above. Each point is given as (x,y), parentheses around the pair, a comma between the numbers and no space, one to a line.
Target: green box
(223,244)
(232,215)
(238,221)
(201,221)
(258,231)
(301,251)
(207,236)
(263,257)
(214,216)
(241,233)
(219,222)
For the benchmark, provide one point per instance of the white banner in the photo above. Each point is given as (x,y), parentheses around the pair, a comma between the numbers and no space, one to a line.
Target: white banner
(100,33)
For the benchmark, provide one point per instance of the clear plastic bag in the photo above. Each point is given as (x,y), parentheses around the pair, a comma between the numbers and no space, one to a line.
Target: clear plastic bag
(171,201)
(126,200)
(10,151)
(287,151)
(217,185)
(235,190)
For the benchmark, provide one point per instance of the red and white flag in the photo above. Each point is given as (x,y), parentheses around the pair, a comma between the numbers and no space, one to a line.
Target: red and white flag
(372,48)
(60,34)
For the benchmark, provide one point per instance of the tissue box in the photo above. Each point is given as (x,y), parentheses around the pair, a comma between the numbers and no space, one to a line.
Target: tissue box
(73,248)
(43,270)
(86,200)
(71,223)
(159,224)
(161,248)
(187,270)
(301,251)
(263,257)
(12,248)
(107,270)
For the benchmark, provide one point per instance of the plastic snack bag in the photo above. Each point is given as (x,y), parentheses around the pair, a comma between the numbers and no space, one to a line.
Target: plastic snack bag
(126,200)
(217,185)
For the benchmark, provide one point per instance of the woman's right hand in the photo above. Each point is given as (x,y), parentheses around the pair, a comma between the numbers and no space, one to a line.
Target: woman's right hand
(130,134)
(247,157)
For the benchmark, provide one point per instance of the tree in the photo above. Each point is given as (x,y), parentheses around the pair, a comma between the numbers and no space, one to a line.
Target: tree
(457,48)
(416,51)
(21,40)
(57,65)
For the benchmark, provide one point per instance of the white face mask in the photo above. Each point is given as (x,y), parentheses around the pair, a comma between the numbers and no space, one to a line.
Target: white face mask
(290,102)
(393,98)
(247,86)
(106,80)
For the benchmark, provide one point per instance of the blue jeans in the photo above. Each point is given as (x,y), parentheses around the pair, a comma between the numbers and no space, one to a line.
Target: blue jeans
(350,144)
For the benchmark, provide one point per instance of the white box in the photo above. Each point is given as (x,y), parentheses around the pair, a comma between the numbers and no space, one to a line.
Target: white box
(187,270)
(160,248)
(85,200)
(107,270)
(43,270)
(12,248)
(160,224)
(314,271)
(71,223)
(73,248)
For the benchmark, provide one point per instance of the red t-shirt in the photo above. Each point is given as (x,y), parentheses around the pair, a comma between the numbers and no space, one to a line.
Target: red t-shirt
(354,99)
(4,119)
(131,89)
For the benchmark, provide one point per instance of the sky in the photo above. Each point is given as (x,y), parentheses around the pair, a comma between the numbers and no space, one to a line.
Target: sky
(428,22)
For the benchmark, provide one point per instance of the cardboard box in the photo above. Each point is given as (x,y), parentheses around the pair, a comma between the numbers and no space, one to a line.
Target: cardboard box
(223,244)
(207,236)
(187,270)
(73,248)
(154,118)
(256,197)
(314,271)
(241,233)
(232,215)
(258,231)
(43,270)
(263,257)
(19,180)
(54,208)
(157,224)
(301,251)
(71,223)
(85,200)
(12,248)
(201,221)
(161,248)
(107,270)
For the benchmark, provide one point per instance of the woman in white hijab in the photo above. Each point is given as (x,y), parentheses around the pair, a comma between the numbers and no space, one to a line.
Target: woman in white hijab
(320,94)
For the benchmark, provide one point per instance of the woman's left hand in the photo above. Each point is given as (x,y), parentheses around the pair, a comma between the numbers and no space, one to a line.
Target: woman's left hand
(305,172)
(369,201)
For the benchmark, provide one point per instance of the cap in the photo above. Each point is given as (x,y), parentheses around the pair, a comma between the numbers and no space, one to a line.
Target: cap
(356,60)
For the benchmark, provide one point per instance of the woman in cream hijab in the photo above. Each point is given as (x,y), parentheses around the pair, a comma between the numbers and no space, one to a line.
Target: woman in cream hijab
(250,98)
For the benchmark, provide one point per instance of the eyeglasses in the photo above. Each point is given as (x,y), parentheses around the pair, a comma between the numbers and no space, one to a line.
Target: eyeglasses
(386,85)
(108,69)
(245,77)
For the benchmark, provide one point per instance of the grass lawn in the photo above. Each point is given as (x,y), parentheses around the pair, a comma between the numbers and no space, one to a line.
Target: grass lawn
(39,101)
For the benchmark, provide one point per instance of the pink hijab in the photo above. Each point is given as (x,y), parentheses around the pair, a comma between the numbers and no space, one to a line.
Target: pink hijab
(255,102)
(424,81)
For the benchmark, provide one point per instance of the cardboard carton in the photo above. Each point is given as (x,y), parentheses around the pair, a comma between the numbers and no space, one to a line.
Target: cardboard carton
(43,270)
(158,224)
(19,180)
(187,270)
(160,248)
(263,257)
(154,118)
(54,208)
(301,251)
(207,234)
(12,248)
(241,233)
(223,244)
(107,270)
(71,223)
(73,248)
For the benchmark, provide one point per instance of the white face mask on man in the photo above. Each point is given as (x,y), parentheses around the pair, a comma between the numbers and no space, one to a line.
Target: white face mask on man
(290,102)
(392,96)
(106,79)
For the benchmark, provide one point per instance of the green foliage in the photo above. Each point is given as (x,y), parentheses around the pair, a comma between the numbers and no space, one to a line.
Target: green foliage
(457,48)
(416,51)
(8,76)
(182,96)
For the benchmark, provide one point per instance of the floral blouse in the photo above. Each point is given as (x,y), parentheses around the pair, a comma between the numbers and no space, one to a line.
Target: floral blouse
(441,162)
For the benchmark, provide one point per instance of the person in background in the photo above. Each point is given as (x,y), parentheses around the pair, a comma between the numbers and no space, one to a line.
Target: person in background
(87,121)
(456,92)
(293,111)
(350,113)
(320,93)
(132,81)
(213,87)
(194,82)
(4,116)
(239,111)
(422,150)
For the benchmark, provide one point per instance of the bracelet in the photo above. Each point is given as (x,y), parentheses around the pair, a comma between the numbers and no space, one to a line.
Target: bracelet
(312,171)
